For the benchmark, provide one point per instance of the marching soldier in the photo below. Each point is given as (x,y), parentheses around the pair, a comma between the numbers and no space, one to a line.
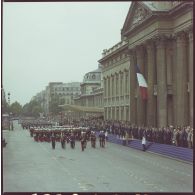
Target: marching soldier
(72,141)
(83,143)
(93,139)
(53,141)
(102,139)
(63,141)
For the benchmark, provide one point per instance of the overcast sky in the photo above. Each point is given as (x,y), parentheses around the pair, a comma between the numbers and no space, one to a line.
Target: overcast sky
(55,42)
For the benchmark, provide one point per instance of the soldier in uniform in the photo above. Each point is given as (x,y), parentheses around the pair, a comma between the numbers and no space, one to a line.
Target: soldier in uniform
(72,141)
(102,139)
(83,143)
(93,139)
(31,132)
(63,141)
(53,141)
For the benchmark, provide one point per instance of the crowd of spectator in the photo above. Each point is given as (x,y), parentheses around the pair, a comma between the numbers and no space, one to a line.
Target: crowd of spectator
(178,136)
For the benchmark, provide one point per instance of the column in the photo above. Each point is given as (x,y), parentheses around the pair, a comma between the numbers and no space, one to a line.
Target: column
(113,89)
(151,102)
(114,86)
(181,80)
(124,115)
(161,82)
(105,113)
(110,86)
(124,83)
(127,113)
(119,117)
(126,87)
(116,76)
(132,87)
(119,86)
(107,93)
(174,81)
(141,111)
(104,87)
(191,106)
(169,63)
(122,88)
(115,113)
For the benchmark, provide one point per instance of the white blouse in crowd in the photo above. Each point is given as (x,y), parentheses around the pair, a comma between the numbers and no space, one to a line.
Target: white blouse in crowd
(143,140)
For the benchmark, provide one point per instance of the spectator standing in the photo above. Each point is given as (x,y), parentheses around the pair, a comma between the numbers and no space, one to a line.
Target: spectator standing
(191,138)
(144,143)
(106,135)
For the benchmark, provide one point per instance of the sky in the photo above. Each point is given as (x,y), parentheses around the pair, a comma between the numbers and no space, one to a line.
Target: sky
(55,42)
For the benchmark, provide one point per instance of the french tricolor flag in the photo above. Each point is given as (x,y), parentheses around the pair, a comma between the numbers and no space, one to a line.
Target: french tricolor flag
(142,83)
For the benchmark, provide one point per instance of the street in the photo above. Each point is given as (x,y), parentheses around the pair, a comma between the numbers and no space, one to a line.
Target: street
(29,166)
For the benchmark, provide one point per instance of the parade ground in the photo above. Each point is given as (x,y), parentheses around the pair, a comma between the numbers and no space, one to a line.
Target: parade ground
(30,166)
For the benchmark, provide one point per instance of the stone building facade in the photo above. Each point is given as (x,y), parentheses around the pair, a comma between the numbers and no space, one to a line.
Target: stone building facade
(64,91)
(91,92)
(158,37)
(91,81)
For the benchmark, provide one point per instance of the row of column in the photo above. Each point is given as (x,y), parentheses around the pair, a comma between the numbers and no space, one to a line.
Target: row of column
(117,113)
(139,109)
(116,84)
(154,62)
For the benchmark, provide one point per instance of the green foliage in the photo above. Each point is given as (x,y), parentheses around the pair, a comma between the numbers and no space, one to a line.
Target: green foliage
(5,107)
(33,108)
(15,109)
(54,105)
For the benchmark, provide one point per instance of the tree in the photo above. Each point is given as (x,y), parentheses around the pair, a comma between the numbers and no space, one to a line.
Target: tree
(15,109)
(33,108)
(36,110)
(5,107)
(54,105)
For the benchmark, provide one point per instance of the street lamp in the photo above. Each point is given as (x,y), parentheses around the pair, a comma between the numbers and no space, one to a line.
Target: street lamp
(9,98)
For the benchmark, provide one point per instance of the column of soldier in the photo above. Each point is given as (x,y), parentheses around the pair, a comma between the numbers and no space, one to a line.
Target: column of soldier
(27,123)
(66,135)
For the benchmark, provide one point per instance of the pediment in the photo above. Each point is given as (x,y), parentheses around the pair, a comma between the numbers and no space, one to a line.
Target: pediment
(138,12)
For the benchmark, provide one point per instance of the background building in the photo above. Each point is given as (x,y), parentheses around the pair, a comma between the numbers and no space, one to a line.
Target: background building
(90,101)
(91,81)
(158,37)
(63,93)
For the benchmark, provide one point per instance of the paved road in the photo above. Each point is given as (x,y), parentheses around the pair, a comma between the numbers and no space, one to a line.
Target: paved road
(34,167)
